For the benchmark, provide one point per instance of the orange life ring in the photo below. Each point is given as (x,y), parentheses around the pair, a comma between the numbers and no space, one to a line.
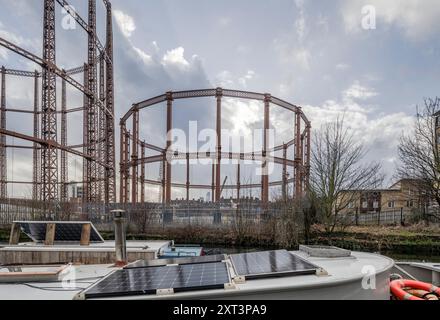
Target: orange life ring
(398,285)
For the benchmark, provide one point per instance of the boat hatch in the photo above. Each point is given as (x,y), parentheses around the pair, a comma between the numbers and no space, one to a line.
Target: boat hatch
(20,274)
(179,261)
(325,251)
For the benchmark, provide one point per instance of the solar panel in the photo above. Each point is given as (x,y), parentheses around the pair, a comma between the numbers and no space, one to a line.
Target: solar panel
(138,281)
(64,231)
(270,264)
(180,261)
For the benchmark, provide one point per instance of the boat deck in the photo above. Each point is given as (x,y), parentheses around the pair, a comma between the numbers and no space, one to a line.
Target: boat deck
(345,280)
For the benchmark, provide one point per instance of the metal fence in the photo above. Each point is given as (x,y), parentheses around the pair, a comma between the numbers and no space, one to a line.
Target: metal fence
(396,216)
(144,216)
(140,216)
(143,219)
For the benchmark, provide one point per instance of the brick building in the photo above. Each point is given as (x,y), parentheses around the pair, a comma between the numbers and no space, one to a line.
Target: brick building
(402,194)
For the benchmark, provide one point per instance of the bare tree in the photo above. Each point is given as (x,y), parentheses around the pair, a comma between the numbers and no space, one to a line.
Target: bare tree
(338,173)
(419,153)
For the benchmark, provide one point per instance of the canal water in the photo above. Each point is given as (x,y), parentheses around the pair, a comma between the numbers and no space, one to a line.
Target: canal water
(395,256)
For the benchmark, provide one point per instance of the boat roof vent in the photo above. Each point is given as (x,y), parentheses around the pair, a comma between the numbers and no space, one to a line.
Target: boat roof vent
(325,251)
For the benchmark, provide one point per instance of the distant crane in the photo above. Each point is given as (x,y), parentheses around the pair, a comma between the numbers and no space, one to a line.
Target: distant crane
(223,186)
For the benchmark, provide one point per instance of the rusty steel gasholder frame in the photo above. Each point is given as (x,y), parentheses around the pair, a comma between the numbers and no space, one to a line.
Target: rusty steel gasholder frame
(131,143)
(49,143)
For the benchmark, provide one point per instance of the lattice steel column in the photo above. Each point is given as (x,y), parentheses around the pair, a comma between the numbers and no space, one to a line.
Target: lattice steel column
(92,123)
(169,141)
(308,156)
(213,182)
(265,168)
(302,166)
(162,172)
(122,164)
(143,174)
(36,173)
(298,157)
(110,172)
(85,196)
(134,158)
(187,177)
(102,132)
(284,186)
(63,187)
(238,181)
(49,155)
(3,155)
(219,95)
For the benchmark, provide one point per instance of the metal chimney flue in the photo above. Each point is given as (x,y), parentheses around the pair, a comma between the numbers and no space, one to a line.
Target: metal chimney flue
(120,220)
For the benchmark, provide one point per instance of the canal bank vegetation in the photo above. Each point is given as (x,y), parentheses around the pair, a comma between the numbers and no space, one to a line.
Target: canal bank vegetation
(411,240)
(414,239)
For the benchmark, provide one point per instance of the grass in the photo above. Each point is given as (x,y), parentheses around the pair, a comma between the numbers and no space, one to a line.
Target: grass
(416,239)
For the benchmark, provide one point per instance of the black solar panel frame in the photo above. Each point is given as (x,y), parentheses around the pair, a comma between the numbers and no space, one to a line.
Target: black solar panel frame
(286,273)
(176,261)
(153,291)
(26,226)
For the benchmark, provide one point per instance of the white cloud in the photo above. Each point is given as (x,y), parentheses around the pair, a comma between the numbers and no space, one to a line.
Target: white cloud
(247,77)
(357,91)
(241,118)
(3,53)
(300,23)
(302,57)
(19,40)
(224,21)
(146,58)
(418,18)
(175,57)
(125,22)
(342,66)
(379,133)
(226,79)
(294,50)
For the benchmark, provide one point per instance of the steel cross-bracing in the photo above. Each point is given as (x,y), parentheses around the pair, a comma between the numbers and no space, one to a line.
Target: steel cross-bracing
(130,159)
(49,142)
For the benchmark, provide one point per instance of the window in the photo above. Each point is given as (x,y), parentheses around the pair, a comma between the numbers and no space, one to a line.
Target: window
(351,205)
(375,204)
(410,203)
(391,204)
(364,204)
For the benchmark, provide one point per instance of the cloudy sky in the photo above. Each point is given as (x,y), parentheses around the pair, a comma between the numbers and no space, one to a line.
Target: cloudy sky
(312,53)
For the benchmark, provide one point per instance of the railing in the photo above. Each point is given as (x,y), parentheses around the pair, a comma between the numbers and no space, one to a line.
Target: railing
(396,216)
(144,216)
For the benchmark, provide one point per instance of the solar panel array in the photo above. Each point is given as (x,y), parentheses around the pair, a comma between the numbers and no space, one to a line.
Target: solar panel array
(64,232)
(138,281)
(270,264)
(179,261)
